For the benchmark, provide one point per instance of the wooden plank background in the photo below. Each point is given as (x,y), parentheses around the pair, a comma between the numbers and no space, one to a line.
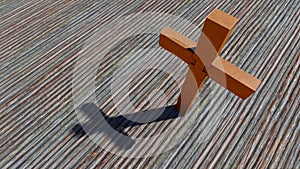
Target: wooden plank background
(39,46)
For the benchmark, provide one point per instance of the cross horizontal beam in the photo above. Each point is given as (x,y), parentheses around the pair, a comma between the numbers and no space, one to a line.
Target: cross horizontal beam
(237,81)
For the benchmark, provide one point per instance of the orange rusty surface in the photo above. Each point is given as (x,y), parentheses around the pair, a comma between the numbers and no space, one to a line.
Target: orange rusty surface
(217,28)
(177,44)
(238,81)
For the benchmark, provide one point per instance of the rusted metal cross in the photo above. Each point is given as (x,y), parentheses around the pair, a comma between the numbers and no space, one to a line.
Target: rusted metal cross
(204,61)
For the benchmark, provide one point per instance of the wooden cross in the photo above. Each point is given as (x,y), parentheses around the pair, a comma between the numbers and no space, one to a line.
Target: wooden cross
(204,61)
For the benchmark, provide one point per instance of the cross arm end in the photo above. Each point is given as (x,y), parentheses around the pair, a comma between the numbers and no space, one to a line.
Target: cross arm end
(177,44)
(233,78)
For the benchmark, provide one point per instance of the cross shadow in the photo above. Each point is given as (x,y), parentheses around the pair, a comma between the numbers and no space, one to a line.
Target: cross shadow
(98,122)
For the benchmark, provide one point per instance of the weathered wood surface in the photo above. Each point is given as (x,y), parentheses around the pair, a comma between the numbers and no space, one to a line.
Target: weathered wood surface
(39,41)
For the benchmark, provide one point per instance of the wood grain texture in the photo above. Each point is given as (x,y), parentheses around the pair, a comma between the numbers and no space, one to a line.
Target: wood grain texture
(39,41)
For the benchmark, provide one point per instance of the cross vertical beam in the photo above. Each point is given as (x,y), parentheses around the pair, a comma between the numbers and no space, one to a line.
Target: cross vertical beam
(204,61)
